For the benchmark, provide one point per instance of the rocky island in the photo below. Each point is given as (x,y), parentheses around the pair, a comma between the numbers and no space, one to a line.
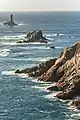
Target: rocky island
(34,36)
(11,22)
(64,70)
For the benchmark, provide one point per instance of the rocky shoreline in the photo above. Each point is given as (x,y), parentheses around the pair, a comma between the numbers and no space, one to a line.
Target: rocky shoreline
(64,70)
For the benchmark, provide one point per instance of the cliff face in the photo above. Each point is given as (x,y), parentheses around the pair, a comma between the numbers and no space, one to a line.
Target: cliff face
(62,64)
(70,79)
(65,70)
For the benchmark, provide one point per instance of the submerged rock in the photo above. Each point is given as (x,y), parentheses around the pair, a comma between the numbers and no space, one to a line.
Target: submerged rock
(34,36)
(52,47)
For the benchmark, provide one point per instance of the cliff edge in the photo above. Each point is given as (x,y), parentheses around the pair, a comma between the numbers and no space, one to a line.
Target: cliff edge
(64,70)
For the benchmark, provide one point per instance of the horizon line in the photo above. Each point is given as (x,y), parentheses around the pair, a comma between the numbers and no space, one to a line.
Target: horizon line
(44,11)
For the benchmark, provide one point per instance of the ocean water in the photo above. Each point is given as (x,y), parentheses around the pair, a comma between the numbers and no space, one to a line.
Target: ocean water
(23,98)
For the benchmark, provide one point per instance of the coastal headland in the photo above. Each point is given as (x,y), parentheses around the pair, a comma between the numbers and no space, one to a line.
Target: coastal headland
(64,70)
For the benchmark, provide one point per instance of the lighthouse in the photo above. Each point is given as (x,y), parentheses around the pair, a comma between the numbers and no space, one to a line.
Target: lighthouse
(11,17)
(11,22)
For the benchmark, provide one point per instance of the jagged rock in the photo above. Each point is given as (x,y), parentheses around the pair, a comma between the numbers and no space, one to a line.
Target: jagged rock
(52,74)
(76,103)
(53,88)
(57,34)
(70,87)
(38,70)
(65,70)
(52,47)
(34,36)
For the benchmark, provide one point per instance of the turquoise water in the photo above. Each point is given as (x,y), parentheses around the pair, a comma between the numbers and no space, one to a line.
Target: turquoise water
(22,98)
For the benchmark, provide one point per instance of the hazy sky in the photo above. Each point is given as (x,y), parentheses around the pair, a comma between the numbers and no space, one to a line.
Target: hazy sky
(39,5)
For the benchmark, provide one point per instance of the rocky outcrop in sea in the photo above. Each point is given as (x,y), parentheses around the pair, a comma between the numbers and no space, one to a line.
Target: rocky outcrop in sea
(11,22)
(34,36)
(64,70)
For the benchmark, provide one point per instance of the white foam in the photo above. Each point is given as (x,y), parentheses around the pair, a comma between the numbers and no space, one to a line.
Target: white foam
(45,111)
(35,43)
(37,47)
(17,37)
(43,59)
(8,43)
(61,34)
(43,85)
(40,47)
(33,59)
(39,87)
(22,75)
(20,24)
(4,52)
(13,73)
(52,35)
(59,47)
(51,95)
(8,73)
(75,115)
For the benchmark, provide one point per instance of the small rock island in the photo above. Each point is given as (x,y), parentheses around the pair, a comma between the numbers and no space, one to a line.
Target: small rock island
(34,36)
(11,22)
(64,70)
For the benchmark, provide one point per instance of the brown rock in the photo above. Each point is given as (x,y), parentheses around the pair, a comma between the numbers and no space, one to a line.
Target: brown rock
(38,70)
(65,70)
(76,102)
(54,74)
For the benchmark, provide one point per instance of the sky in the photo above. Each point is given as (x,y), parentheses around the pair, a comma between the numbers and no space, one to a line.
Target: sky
(39,5)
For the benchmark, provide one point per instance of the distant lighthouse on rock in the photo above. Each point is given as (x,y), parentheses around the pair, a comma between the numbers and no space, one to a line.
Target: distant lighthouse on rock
(11,22)
(11,17)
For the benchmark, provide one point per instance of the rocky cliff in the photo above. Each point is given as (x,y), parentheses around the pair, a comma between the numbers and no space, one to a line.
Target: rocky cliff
(37,71)
(65,70)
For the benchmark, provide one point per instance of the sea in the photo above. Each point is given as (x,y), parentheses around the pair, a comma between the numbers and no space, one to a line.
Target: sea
(24,98)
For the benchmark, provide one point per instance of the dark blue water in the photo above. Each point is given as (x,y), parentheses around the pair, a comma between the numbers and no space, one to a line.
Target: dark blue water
(21,98)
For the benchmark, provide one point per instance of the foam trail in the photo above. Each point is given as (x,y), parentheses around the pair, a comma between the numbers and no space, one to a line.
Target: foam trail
(13,73)
(17,37)
(61,34)
(52,35)
(44,59)
(8,73)
(8,43)
(51,95)
(33,59)
(58,47)
(39,47)
(4,52)
(41,88)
